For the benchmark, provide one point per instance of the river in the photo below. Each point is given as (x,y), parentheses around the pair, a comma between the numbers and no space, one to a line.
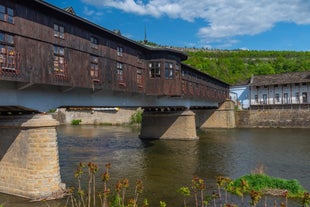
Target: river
(165,165)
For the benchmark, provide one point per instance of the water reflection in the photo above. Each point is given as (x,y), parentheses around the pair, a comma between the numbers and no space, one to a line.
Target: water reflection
(166,165)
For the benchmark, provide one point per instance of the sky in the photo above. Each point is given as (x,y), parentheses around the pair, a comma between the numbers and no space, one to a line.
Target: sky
(217,24)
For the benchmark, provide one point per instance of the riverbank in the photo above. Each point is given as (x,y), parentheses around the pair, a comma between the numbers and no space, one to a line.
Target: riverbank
(267,118)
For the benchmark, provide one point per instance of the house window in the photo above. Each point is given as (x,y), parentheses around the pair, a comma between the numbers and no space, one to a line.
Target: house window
(7,53)
(94,42)
(277,98)
(154,69)
(6,14)
(94,69)
(297,97)
(256,98)
(59,31)
(264,98)
(304,97)
(119,51)
(59,60)
(120,72)
(169,70)
(285,98)
(139,78)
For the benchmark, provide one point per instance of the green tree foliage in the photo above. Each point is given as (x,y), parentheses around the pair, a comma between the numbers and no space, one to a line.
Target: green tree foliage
(238,65)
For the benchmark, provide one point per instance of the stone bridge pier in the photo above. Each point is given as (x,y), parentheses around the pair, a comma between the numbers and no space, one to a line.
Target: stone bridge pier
(178,125)
(29,161)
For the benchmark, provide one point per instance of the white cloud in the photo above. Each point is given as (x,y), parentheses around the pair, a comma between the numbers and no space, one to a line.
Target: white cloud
(91,12)
(224,19)
(88,12)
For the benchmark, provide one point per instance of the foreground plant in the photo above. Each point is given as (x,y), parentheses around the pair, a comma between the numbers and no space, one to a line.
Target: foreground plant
(222,183)
(198,185)
(185,192)
(79,199)
(306,200)
(253,186)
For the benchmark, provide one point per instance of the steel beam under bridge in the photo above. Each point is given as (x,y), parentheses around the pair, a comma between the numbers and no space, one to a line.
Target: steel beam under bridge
(45,97)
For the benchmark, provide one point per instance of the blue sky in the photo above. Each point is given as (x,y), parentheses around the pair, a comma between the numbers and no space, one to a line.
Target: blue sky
(221,24)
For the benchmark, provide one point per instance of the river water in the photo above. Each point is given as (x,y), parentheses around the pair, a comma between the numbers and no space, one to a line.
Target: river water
(165,165)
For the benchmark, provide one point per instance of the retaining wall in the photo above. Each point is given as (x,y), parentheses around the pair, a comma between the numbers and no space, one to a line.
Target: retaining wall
(114,117)
(282,118)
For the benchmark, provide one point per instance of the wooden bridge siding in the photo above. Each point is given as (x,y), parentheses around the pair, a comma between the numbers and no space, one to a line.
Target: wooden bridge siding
(36,47)
(196,87)
(34,40)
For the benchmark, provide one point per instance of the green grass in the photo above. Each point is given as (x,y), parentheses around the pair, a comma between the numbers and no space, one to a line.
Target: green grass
(262,182)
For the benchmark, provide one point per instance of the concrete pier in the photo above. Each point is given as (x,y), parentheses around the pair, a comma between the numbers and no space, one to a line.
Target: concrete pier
(223,117)
(29,165)
(178,125)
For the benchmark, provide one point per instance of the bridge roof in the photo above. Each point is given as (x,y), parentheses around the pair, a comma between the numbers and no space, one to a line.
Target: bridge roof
(71,16)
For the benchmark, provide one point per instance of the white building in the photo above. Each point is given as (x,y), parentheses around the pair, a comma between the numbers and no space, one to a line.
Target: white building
(288,90)
(239,93)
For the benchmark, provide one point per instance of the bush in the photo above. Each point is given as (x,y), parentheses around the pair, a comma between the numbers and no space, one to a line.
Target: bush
(76,121)
(136,118)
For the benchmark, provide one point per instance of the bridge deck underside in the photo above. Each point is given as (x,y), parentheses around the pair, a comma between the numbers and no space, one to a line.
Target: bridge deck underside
(44,98)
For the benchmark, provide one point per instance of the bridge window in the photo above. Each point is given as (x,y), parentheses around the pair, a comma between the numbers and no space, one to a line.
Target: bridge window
(8,58)
(59,60)
(154,69)
(120,73)
(139,78)
(6,14)
(119,51)
(94,69)
(6,38)
(177,71)
(183,73)
(94,42)
(169,70)
(59,31)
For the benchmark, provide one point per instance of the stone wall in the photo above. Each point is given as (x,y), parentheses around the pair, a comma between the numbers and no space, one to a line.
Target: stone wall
(96,117)
(29,165)
(282,118)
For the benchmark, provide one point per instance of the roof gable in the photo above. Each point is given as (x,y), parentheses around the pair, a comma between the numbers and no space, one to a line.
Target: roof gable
(70,10)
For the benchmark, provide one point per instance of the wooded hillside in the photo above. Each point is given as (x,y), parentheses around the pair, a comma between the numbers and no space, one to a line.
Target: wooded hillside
(236,66)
